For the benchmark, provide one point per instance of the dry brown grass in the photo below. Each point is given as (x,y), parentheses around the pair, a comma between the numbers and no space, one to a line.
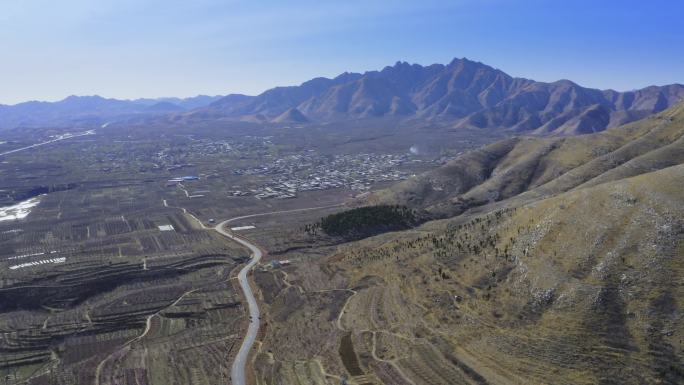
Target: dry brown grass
(575,279)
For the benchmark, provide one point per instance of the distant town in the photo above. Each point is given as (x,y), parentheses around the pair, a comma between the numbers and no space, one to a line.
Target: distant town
(312,171)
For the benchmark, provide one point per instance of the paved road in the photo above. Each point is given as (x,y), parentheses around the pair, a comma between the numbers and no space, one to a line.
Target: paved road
(237,372)
(89,132)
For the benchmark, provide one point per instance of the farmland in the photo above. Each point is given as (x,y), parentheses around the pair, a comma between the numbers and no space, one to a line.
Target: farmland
(113,275)
(107,271)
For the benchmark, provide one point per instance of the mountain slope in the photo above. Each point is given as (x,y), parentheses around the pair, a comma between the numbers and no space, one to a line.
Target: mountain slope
(292,115)
(580,288)
(561,262)
(464,93)
(530,168)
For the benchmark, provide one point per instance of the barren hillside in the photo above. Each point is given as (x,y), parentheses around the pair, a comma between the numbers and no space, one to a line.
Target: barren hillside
(568,273)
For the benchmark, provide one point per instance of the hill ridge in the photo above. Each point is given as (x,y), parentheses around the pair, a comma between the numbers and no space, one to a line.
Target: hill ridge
(463,93)
(529,168)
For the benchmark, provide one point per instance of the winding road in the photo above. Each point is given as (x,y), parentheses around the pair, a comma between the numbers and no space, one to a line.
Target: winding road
(237,372)
(239,365)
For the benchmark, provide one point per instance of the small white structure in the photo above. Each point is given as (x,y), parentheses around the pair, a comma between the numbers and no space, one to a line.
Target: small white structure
(166,228)
(242,228)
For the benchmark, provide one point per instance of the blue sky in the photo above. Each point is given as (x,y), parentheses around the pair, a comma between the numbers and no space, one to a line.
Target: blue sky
(151,48)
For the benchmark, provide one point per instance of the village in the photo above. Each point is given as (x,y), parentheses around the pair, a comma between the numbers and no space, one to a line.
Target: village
(311,171)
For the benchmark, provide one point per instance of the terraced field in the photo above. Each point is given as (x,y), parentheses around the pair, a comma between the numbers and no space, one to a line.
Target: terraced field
(129,301)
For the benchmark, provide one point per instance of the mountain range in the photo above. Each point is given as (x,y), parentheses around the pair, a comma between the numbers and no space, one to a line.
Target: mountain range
(93,110)
(463,93)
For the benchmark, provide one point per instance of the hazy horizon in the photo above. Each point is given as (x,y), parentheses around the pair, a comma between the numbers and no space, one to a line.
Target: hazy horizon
(294,84)
(216,47)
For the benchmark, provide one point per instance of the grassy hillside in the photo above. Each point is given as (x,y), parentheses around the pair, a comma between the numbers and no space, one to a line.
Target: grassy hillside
(582,288)
(569,271)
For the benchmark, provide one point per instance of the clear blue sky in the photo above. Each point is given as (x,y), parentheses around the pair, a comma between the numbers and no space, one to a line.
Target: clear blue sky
(150,48)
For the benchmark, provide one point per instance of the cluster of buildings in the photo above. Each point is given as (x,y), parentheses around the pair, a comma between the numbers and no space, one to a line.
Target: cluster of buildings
(311,171)
(246,146)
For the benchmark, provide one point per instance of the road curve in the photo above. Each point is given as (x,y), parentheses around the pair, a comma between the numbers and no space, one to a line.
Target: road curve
(237,372)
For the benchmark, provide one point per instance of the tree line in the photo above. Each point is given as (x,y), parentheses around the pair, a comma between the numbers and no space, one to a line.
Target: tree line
(366,221)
